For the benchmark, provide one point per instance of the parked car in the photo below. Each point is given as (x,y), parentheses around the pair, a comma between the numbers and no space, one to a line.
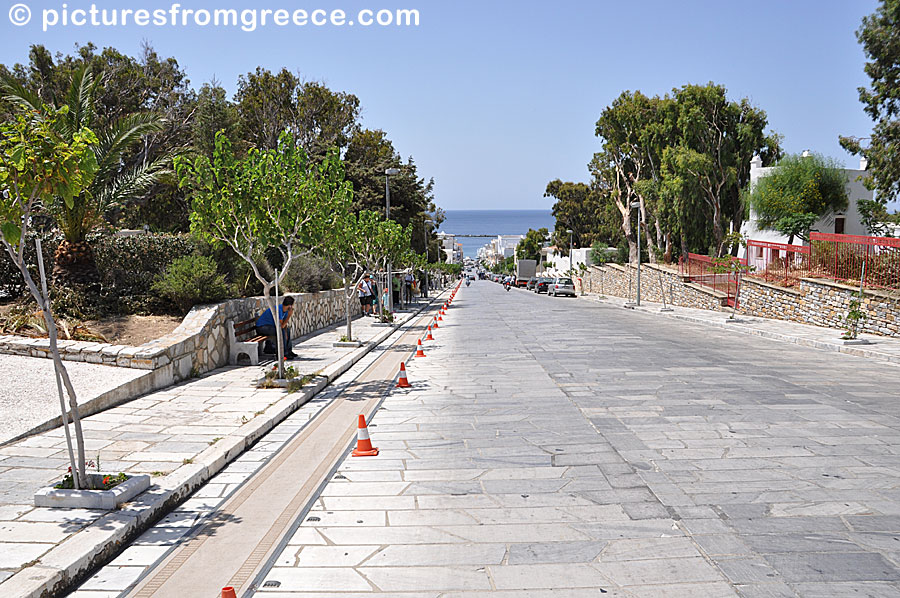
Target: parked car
(531,282)
(561,286)
(542,284)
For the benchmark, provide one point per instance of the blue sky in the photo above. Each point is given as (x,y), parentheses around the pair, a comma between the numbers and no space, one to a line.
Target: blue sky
(496,98)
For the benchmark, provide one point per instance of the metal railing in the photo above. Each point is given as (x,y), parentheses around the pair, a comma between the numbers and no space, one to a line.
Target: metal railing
(700,269)
(873,262)
(778,262)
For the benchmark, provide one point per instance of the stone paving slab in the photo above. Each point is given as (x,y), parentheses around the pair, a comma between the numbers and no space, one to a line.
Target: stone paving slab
(881,348)
(604,448)
(182,436)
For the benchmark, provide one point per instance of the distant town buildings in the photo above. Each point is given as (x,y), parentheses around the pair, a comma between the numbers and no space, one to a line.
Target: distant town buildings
(453,251)
(499,248)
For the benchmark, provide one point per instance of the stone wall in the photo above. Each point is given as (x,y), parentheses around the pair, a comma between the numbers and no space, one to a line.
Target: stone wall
(198,345)
(621,281)
(814,301)
(821,303)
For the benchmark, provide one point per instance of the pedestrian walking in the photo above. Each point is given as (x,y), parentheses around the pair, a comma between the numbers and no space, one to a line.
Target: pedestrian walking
(364,289)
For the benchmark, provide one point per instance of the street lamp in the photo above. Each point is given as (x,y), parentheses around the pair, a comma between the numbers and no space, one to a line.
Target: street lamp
(387,210)
(569,230)
(425,224)
(637,204)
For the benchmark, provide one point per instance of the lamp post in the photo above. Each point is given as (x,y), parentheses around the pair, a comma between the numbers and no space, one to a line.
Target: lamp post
(637,204)
(387,210)
(425,223)
(569,230)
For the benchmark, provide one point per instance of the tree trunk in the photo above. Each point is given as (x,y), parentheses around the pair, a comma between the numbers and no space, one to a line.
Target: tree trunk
(70,390)
(279,350)
(78,468)
(74,263)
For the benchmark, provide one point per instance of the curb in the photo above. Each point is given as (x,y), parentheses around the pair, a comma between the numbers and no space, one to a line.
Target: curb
(67,563)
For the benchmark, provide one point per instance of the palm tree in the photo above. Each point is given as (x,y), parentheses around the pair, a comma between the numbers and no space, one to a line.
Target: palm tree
(116,180)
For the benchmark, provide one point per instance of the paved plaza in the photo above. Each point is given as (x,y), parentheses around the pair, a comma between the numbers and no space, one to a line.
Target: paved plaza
(555,447)
(565,448)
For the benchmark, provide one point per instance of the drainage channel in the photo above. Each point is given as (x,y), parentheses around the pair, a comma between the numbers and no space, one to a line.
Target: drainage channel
(229,547)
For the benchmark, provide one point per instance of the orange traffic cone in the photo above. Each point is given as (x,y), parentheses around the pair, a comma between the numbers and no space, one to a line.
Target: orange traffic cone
(403,382)
(228,592)
(419,351)
(429,337)
(440,319)
(364,446)
(435,325)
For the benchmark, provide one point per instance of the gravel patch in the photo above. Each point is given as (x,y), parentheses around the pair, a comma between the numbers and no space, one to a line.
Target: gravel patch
(28,389)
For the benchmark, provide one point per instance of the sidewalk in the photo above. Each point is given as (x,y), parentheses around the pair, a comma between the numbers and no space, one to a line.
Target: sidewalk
(182,435)
(881,348)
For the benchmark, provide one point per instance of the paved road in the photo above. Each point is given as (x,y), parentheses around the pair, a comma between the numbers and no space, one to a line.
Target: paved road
(563,448)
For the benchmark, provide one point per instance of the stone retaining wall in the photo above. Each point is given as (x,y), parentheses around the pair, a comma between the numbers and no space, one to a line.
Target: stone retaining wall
(814,301)
(621,281)
(198,345)
(821,303)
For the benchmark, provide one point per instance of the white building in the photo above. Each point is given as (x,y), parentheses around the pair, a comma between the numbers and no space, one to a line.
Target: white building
(847,222)
(453,252)
(499,248)
(560,262)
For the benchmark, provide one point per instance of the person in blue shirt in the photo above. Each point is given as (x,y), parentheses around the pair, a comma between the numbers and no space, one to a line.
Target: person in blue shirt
(265,326)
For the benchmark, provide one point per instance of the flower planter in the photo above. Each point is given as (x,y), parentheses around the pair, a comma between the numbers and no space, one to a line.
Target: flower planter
(854,341)
(347,344)
(271,383)
(93,499)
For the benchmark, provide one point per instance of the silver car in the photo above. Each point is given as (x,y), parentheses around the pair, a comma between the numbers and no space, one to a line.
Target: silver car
(561,286)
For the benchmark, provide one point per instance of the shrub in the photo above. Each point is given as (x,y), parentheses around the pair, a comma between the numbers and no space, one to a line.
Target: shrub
(309,275)
(191,280)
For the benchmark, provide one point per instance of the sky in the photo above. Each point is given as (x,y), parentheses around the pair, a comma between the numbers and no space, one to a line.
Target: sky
(495,98)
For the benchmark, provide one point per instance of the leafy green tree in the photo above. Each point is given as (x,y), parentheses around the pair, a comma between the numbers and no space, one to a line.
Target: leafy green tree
(362,242)
(530,247)
(717,140)
(797,192)
(578,208)
(112,184)
(268,199)
(368,155)
(879,35)
(214,113)
(37,163)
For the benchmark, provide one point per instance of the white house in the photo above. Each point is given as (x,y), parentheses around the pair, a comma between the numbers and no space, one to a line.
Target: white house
(580,255)
(847,222)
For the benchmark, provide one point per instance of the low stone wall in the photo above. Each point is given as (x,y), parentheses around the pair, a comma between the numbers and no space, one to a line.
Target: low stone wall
(621,281)
(821,303)
(198,345)
(814,301)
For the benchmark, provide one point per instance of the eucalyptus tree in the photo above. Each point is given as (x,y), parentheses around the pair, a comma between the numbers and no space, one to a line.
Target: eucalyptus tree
(276,198)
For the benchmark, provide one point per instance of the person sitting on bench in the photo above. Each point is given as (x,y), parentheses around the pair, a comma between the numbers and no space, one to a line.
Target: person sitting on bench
(265,326)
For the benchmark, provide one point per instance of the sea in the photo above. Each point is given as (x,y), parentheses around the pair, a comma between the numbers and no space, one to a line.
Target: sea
(491,223)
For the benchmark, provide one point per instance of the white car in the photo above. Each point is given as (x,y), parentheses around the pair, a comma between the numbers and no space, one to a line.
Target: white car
(561,286)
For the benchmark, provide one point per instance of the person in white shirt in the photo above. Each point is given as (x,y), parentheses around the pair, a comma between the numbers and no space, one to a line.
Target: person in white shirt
(364,288)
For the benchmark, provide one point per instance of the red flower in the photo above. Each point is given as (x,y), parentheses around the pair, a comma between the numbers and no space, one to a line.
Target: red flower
(106,480)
